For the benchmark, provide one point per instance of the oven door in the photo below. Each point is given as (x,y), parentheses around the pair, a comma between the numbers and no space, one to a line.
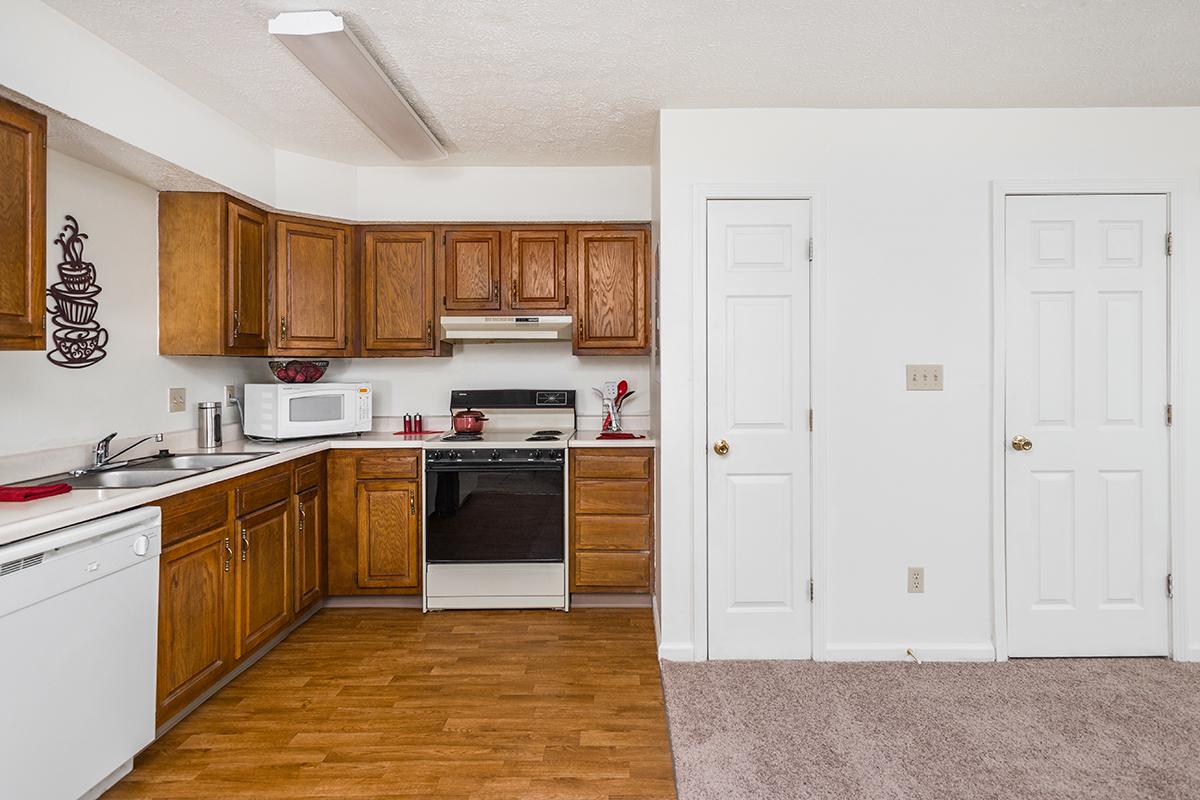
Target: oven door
(494,513)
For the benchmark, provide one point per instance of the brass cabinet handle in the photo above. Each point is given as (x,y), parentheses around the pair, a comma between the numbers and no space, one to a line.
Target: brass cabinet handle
(429,331)
(412,503)
(245,544)
(1020,443)
(720,447)
(496,293)
(514,293)
(237,324)
(228,554)
(302,518)
(283,327)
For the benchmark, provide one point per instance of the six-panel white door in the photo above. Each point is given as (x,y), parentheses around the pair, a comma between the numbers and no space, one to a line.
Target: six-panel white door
(1087,384)
(758,401)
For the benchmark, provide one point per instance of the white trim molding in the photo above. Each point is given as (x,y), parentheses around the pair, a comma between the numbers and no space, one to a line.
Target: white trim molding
(701,194)
(677,651)
(1175,192)
(899,651)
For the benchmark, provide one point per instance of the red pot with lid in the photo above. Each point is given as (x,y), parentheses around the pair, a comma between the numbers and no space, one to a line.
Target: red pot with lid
(469,421)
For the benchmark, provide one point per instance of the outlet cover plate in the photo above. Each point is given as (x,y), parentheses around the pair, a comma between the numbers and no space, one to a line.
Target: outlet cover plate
(916,580)
(176,400)
(923,377)
(230,393)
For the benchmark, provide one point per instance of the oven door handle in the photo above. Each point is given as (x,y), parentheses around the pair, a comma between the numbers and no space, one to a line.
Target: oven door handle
(459,466)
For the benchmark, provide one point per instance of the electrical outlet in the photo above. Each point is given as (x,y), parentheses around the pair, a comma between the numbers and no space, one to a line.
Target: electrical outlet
(916,580)
(230,394)
(924,377)
(176,400)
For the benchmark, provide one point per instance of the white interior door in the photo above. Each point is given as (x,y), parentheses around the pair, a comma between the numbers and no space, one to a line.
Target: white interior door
(1087,384)
(758,401)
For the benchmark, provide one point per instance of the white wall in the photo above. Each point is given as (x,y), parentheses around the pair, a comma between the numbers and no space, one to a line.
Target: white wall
(905,200)
(44,406)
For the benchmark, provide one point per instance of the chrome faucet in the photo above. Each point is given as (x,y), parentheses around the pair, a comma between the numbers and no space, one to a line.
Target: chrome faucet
(101,458)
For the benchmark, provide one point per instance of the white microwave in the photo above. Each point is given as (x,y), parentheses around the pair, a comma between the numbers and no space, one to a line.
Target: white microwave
(297,410)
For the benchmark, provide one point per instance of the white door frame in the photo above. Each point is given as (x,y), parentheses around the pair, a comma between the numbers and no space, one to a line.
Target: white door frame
(1174,192)
(701,194)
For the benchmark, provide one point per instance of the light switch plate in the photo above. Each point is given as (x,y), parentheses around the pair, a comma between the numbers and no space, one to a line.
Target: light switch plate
(916,580)
(176,400)
(924,377)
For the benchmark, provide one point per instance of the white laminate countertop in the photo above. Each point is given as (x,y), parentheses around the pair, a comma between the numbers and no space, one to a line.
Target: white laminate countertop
(23,520)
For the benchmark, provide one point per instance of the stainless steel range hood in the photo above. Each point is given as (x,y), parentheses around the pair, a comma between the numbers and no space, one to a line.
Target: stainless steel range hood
(506,329)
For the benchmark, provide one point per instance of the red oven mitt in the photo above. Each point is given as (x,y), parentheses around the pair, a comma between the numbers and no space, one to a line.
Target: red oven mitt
(20,494)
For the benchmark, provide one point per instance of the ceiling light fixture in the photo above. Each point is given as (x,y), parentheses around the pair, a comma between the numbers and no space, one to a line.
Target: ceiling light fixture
(322,42)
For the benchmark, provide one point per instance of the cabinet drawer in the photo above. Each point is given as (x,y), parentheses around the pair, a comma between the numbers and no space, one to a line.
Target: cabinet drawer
(612,533)
(611,571)
(308,473)
(607,463)
(262,492)
(185,515)
(396,465)
(612,497)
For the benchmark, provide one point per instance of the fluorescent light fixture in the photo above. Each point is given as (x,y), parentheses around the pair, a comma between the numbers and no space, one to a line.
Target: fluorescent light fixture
(322,42)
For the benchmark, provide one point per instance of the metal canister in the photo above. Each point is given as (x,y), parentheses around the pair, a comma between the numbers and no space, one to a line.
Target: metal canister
(209,431)
(408,423)
(418,424)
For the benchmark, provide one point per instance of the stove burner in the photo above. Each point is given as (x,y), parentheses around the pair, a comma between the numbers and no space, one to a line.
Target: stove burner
(547,433)
(463,437)
(537,437)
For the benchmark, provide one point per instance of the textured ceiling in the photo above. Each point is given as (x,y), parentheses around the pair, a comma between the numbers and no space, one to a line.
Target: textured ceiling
(580,81)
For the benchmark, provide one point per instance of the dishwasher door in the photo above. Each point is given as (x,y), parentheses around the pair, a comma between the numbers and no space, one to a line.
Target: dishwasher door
(78,652)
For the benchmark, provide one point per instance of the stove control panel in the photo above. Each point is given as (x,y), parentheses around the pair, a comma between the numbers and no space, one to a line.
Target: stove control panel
(513,455)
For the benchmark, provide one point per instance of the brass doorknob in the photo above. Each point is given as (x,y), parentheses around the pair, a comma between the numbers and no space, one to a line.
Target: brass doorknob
(1019,442)
(720,447)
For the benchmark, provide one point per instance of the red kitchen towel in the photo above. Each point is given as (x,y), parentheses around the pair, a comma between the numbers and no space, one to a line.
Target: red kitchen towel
(19,494)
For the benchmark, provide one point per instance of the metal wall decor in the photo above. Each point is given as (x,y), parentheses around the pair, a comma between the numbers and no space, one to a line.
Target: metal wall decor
(79,341)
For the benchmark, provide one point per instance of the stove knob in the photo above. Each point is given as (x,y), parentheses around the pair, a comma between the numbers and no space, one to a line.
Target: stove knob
(457,456)
(537,454)
(433,455)
(495,456)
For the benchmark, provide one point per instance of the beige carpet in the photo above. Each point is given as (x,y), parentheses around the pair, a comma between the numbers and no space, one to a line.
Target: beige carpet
(1052,729)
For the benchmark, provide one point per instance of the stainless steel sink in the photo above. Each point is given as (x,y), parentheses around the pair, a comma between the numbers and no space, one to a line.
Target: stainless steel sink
(127,478)
(198,461)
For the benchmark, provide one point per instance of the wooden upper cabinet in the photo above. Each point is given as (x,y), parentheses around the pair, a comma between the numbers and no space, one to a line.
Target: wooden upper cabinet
(613,308)
(398,291)
(311,286)
(264,577)
(537,270)
(389,534)
(213,276)
(472,270)
(247,279)
(22,228)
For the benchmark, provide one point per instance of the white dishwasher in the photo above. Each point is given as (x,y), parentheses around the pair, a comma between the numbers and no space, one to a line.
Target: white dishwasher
(78,651)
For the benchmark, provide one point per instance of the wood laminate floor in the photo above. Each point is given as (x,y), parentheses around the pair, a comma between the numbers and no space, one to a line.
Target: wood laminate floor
(391,703)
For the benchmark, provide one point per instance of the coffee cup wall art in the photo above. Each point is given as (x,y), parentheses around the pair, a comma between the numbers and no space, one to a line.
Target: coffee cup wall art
(79,341)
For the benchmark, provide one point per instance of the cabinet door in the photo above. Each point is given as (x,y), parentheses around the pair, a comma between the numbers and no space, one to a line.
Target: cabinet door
(472,272)
(246,282)
(193,618)
(613,308)
(310,286)
(398,290)
(22,228)
(264,577)
(309,505)
(389,534)
(538,269)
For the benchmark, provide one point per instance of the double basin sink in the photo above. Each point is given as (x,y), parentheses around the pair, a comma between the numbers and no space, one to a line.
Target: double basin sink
(153,471)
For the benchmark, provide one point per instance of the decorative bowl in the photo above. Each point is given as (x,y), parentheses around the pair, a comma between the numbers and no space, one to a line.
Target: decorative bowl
(298,371)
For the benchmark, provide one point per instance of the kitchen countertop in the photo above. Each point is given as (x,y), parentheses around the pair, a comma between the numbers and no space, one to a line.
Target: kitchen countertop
(23,520)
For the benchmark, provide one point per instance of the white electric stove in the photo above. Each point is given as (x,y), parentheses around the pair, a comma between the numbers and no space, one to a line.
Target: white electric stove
(495,528)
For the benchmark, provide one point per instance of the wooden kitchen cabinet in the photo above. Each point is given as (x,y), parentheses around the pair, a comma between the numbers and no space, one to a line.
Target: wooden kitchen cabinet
(389,534)
(374,522)
(312,279)
(471,274)
(537,269)
(213,276)
(310,532)
(264,585)
(194,641)
(613,278)
(611,519)
(22,228)
(398,289)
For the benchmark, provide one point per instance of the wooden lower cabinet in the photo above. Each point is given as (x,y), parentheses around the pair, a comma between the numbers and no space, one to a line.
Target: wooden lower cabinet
(264,577)
(309,546)
(194,642)
(374,516)
(612,522)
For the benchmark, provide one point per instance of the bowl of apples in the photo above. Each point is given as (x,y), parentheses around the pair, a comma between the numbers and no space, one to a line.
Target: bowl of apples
(298,371)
